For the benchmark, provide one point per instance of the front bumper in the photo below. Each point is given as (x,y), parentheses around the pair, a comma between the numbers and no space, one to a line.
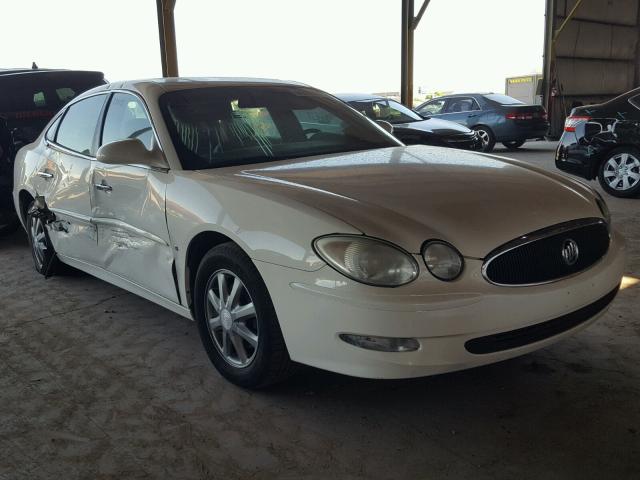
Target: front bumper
(314,308)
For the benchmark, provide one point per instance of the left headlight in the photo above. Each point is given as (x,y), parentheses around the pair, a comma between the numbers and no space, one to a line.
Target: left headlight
(367,260)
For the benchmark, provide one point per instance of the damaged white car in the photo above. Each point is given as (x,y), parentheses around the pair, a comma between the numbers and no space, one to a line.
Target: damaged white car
(294,230)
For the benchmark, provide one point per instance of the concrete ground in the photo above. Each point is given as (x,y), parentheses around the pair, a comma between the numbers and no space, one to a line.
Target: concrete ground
(98,383)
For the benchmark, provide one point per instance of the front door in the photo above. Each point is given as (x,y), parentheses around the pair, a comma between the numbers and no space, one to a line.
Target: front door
(129,206)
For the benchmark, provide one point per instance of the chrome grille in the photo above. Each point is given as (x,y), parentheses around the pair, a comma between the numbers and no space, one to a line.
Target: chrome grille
(548,255)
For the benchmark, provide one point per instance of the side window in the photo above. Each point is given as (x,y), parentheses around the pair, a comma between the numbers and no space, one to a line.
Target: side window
(434,107)
(461,105)
(51,133)
(126,118)
(78,126)
(635,101)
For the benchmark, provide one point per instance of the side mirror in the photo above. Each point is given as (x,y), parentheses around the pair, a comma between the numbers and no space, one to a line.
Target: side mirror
(386,126)
(131,152)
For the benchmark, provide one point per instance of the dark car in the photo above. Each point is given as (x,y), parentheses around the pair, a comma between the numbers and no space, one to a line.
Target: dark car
(496,117)
(603,141)
(411,128)
(29,98)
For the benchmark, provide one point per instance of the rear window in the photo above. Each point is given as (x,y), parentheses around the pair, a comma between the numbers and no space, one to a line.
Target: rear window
(503,99)
(29,100)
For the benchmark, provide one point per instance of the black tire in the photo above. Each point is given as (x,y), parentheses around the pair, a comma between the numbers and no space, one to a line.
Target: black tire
(270,361)
(487,137)
(42,251)
(607,173)
(514,145)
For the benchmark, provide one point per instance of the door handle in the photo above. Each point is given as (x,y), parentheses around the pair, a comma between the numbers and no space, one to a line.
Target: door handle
(103,187)
(472,115)
(45,174)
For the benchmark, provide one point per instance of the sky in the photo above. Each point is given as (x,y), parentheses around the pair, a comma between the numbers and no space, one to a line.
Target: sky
(335,45)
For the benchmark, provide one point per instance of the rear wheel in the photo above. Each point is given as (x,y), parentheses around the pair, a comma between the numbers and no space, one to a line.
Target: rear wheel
(487,138)
(514,145)
(236,320)
(619,173)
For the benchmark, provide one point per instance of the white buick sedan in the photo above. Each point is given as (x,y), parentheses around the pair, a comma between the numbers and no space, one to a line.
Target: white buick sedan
(292,229)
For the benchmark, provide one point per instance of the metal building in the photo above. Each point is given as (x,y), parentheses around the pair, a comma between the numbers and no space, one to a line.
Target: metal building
(592,53)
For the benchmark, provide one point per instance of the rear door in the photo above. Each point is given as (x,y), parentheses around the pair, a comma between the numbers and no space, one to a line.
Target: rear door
(129,205)
(64,178)
(463,110)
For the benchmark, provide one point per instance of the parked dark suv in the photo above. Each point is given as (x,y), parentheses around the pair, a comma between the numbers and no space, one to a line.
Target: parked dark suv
(603,141)
(28,100)
(496,117)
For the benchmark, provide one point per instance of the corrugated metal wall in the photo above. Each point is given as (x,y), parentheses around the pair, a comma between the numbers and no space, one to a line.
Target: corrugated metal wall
(595,56)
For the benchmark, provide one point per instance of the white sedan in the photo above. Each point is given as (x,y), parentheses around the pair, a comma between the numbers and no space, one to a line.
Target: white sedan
(294,230)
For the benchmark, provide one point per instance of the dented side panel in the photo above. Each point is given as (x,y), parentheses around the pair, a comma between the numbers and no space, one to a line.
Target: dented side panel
(129,213)
(63,180)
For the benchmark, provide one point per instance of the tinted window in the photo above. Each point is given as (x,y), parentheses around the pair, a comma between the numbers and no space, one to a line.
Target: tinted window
(460,104)
(502,99)
(434,107)
(387,110)
(223,126)
(30,100)
(77,129)
(126,118)
(635,101)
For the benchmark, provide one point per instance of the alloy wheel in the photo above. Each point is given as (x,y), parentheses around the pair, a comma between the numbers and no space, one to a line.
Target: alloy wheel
(232,320)
(38,241)
(622,171)
(484,137)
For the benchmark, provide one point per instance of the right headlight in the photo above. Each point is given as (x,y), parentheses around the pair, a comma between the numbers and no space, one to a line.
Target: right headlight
(442,260)
(367,260)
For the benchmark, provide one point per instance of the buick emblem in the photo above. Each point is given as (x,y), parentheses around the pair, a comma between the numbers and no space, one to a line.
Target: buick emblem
(570,252)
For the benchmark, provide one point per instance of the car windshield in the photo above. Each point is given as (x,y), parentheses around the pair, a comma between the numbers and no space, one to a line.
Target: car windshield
(224,126)
(503,99)
(387,110)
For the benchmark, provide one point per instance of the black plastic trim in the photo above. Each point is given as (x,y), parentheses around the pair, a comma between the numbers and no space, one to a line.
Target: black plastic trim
(538,332)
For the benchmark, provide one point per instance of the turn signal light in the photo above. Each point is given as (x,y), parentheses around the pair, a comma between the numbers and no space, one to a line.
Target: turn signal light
(573,121)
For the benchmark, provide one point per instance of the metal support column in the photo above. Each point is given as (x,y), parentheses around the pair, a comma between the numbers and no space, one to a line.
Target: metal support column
(409,25)
(167,31)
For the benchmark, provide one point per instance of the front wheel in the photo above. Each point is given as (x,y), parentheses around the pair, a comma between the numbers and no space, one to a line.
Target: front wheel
(619,173)
(41,247)
(236,320)
(487,138)
(514,145)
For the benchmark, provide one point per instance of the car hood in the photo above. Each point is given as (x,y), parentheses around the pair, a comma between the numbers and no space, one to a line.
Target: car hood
(408,195)
(434,125)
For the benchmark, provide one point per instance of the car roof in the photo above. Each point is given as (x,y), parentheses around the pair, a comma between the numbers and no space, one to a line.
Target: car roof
(41,71)
(357,97)
(154,87)
(452,95)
